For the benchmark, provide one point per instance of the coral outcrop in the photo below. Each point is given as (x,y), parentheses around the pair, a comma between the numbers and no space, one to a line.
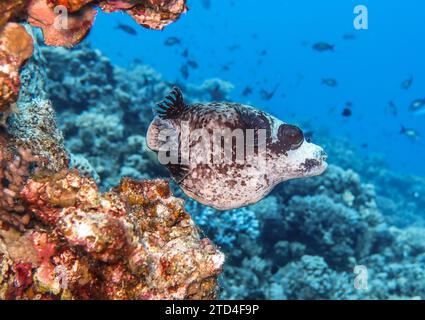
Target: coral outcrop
(64,23)
(60,238)
(135,242)
(15,48)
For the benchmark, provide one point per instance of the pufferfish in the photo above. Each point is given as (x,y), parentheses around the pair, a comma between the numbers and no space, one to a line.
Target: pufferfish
(229,155)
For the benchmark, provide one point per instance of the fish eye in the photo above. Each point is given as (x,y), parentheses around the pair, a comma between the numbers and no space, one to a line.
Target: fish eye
(291,136)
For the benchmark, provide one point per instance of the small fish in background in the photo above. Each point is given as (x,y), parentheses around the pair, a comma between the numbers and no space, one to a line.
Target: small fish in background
(329,82)
(172,41)
(227,184)
(346,112)
(308,135)
(126,28)
(137,61)
(263,53)
(365,145)
(192,64)
(417,107)
(267,95)
(233,47)
(349,36)
(206,4)
(185,53)
(184,71)
(410,133)
(247,91)
(392,108)
(406,84)
(323,46)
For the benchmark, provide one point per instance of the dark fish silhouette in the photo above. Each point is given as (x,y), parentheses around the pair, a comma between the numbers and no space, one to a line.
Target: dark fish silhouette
(323,46)
(247,91)
(392,108)
(267,95)
(233,47)
(349,36)
(172,41)
(184,71)
(406,84)
(192,64)
(346,112)
(185,53)
(329,82)
(127,29)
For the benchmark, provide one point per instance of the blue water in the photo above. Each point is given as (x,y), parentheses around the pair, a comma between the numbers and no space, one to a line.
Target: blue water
(369,69)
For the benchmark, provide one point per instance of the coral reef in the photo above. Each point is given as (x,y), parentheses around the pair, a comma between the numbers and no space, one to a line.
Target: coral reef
(304,240)
(135,242)
(62,238)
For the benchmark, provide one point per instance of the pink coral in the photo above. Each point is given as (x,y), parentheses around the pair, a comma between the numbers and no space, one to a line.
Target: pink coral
(67,32)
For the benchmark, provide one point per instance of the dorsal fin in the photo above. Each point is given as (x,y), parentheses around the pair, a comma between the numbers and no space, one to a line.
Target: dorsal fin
(173,105)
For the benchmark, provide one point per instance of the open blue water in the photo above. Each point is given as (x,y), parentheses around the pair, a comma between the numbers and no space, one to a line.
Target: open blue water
(265,44)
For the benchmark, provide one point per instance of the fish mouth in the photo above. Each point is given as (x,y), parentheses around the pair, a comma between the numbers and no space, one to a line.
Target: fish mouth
(317,165)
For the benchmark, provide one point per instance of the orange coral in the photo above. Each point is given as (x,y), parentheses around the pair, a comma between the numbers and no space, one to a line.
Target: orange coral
(16,47)
(157,14)
(67,30)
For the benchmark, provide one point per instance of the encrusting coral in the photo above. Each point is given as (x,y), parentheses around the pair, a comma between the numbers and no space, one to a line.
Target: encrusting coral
(15,49)
(64,23)
(72,242)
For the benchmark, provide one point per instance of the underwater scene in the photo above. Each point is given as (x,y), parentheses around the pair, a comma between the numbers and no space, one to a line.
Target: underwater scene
(212,149)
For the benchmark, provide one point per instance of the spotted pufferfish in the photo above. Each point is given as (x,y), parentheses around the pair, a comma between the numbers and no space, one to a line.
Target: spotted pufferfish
(238,182)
